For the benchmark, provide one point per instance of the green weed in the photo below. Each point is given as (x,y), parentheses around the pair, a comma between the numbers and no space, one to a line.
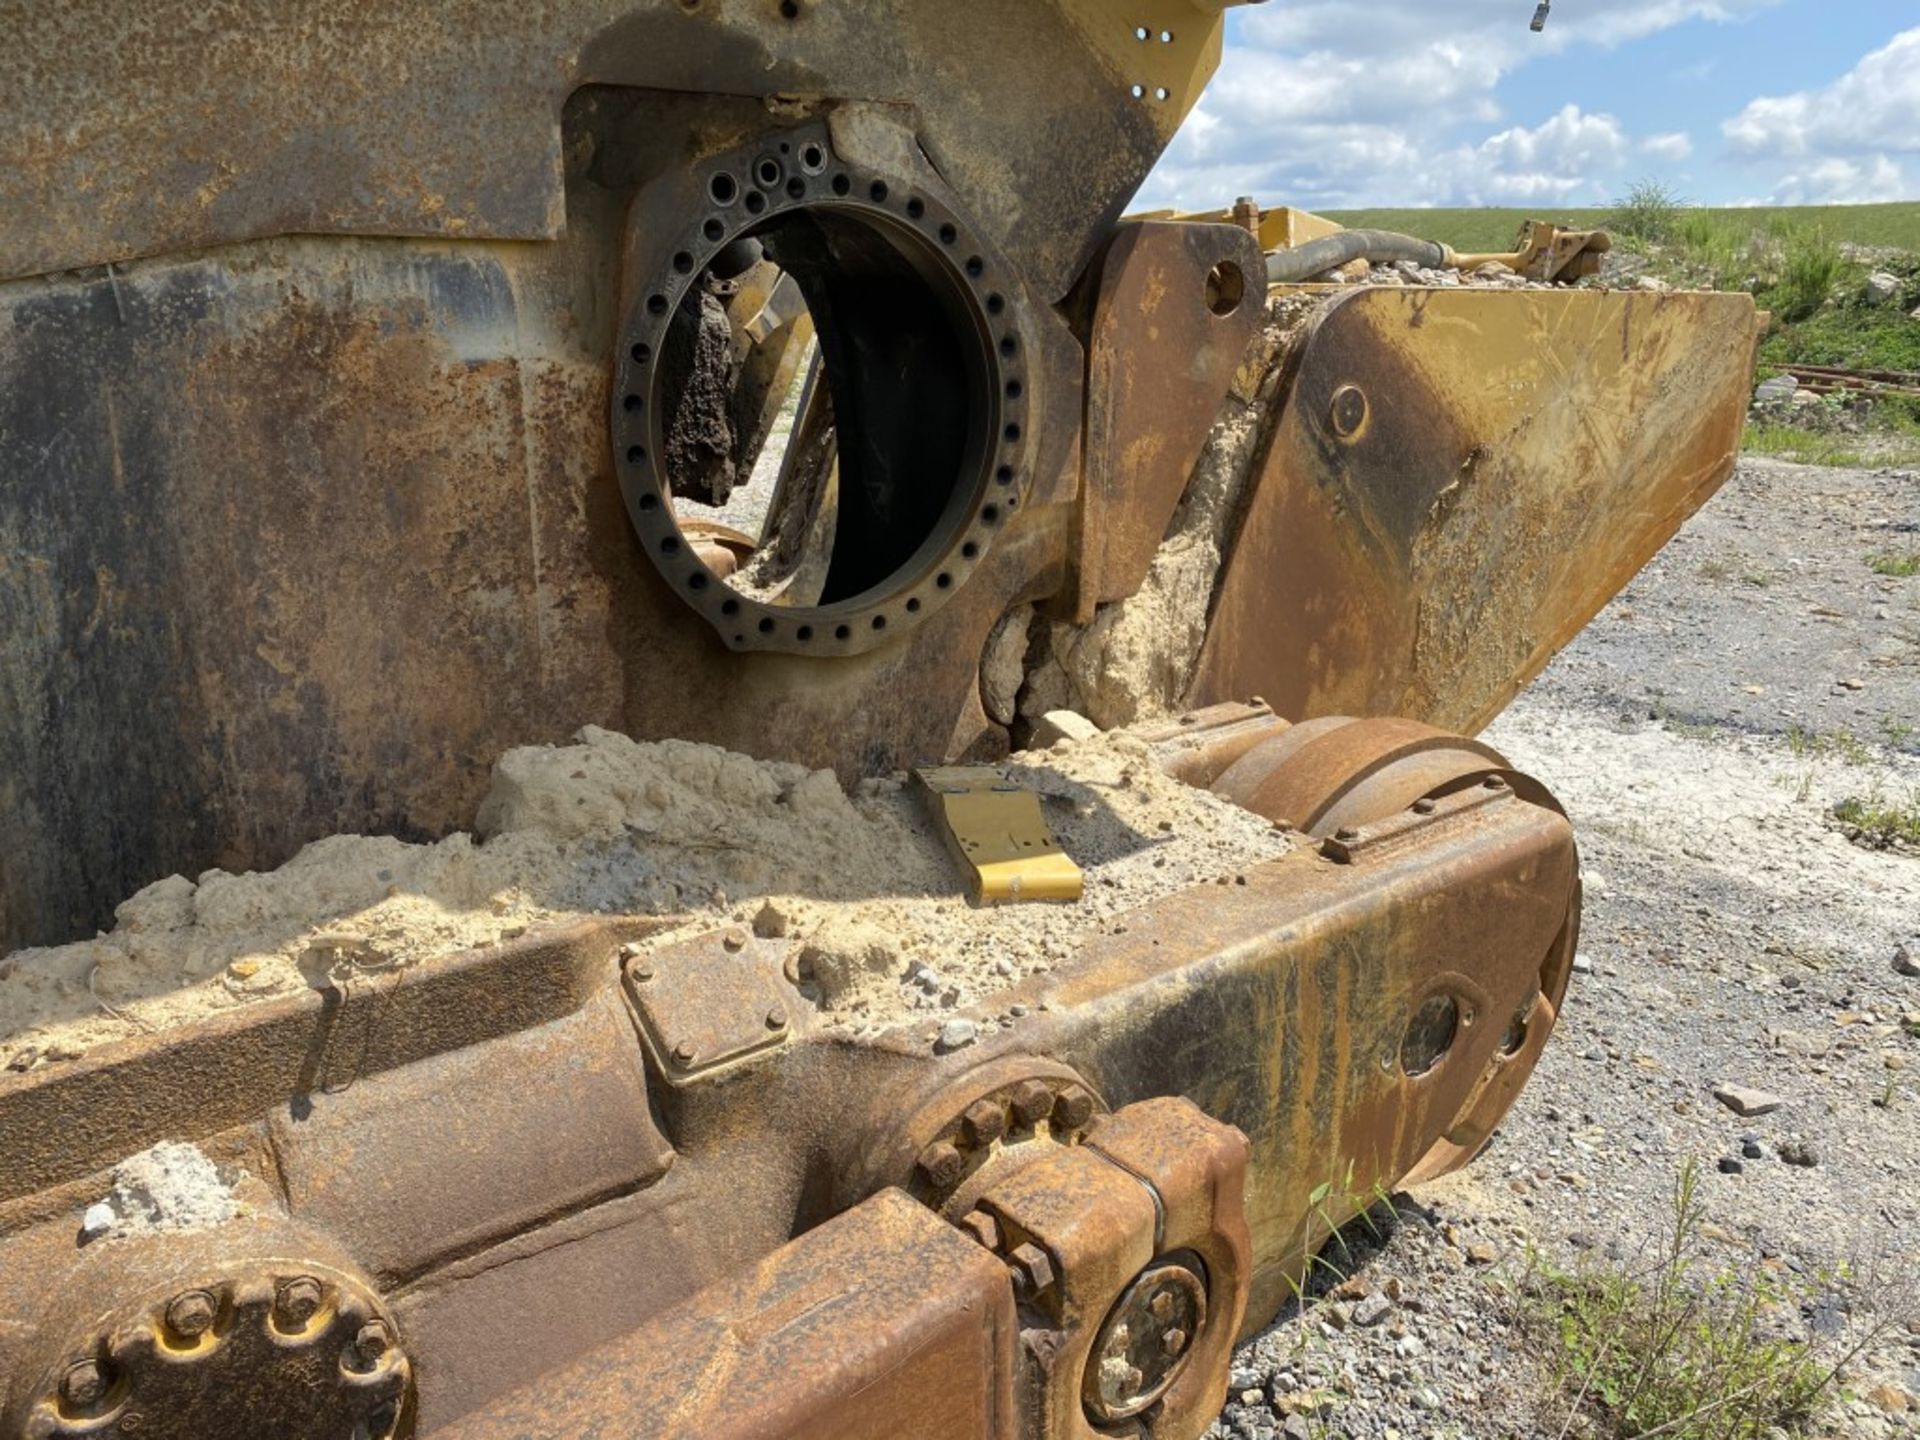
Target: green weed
(1880,822)
(1901,567)
(1686,1348)
(1650,211)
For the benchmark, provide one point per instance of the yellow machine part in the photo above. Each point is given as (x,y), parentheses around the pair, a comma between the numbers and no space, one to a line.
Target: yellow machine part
(993,825)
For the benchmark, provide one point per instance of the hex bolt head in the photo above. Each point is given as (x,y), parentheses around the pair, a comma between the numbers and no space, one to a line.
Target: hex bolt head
(942,1164)
(1032,1270)
(191,1314)
(684,1052)
(776,1018)
(372,1341)
(641,970)
(1346,834)
(1174,1341)
(734,941)
(1424,806)
(1074,1108)
(983,1122)
(982,1227)
(84,1385)
(1161,1306)
(1496,782)
(297,1302)
(1032,1101)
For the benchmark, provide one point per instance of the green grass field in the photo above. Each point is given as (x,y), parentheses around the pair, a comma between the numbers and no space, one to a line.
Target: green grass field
(1492,230)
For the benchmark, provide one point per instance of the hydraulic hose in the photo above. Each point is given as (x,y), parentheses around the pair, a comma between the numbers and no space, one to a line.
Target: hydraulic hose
(1330,252)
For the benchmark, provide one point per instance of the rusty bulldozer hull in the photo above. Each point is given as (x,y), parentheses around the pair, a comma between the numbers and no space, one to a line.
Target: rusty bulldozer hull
(375,392)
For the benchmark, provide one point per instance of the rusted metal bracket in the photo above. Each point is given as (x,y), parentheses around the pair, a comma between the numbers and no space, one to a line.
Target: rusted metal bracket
(709,1003)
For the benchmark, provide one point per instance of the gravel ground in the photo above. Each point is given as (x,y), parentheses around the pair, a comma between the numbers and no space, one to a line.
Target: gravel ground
(1699,733)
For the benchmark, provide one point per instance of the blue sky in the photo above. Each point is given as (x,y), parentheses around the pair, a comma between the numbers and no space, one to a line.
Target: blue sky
(1333,103)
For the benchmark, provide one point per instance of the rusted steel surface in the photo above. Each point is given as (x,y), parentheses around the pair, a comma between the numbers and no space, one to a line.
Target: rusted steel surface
(882,1322)
(1282,1007)
(1178,305)
(1460,481)
(129,134)
(302,536)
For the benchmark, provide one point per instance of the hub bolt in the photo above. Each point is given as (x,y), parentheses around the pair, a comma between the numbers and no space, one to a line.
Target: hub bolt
(983,1122)
(942,1164)
(1074,1107)
(1032,1101)
(298,1302)
(84,1384)
(191,1314)
(372,1341)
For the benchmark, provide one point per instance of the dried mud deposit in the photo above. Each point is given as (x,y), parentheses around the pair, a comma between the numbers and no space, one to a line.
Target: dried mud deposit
(610,826)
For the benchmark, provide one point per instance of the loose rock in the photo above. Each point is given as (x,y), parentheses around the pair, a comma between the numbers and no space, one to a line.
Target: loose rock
(1746,1101)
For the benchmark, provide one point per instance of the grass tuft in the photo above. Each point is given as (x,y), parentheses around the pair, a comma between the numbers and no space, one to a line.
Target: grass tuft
(1901,567)
(1687,1348)
(1881,823)
(1650,211)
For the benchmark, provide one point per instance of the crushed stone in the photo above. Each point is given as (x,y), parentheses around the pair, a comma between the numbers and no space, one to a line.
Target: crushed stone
(611,826)
(170,1188)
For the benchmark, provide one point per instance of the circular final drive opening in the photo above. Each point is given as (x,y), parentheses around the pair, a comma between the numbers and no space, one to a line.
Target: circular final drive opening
(1226,288)
(829,410)
(1429,1034)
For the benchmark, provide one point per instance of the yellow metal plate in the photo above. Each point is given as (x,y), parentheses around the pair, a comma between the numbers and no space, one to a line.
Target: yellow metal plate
(993,825)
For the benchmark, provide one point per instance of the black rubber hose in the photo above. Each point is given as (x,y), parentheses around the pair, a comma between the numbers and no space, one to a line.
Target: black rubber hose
(1330,252)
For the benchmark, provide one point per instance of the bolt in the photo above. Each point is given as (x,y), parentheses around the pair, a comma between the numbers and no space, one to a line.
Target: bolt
(983,1122)
(1161,1306)
(1074,1107)
(1032,1270)
(776,1019)
(983,1227)
(1346,834)
(1496,782)
(684,1052)
(1349,410)
(298,1302)
(734,940)
(942,1164)
(642,970)
(372,1341)
(84,1384)
(191,1314)
(1032,1101)
(1424,806)
(1174,1341)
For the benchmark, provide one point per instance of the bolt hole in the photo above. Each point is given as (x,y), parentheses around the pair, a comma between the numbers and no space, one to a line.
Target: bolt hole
(877,192)
(995,304)
(729,607)
(842,185)
(670,545)
(916,207)
(842,632)
(1139,92)
(630,404)
(656,304)
(1013,433)
(948,234)
(913,605)
(767,172)
(649,502)
(766,626)
(1226,288)
(723,189)
(683,262)
(1140,33)
(812,159)
(805,632)
(1430,1034)
(976,267)
(1014,389)
(697,581)
(989,514)
(636,454)
(942,580)
(879,622)
(790,9)
(641,353)
(1161,93)
(1004,475)
(756,202)
(797,188)
(969,550)
(1009,346)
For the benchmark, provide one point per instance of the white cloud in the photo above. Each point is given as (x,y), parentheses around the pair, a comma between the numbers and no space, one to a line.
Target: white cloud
(1677,146)
(1324,103)
(1843,138)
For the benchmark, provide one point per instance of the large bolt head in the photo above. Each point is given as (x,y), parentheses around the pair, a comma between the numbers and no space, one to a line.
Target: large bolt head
(983,1122)
(1032,1101)
(372,1341)
(297,1302)
(1032,1270)
(1074,1107)
(942,1164)
(191,1314)
(84,1385)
